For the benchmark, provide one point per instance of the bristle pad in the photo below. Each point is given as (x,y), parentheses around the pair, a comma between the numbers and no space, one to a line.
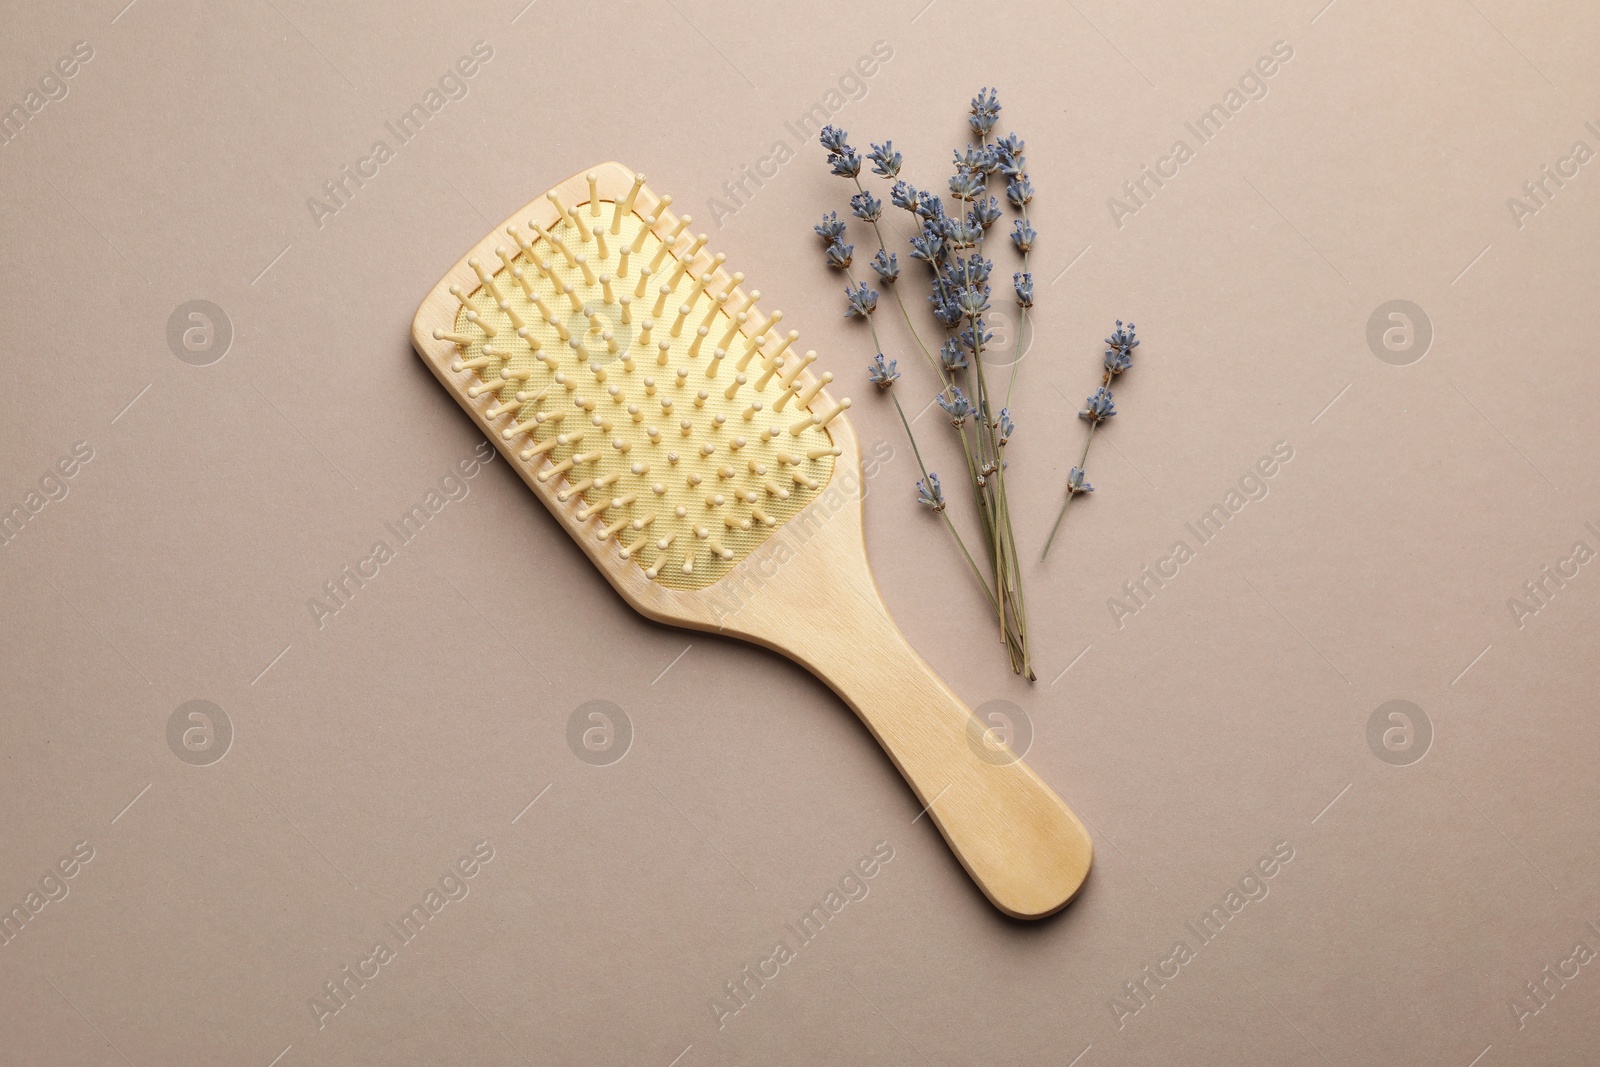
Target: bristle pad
(714,490)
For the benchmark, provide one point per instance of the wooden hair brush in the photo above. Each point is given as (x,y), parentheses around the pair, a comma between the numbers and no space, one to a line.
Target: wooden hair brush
(689,448)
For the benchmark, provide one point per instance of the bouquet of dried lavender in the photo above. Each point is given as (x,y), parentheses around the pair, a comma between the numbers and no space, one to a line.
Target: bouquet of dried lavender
(949,241)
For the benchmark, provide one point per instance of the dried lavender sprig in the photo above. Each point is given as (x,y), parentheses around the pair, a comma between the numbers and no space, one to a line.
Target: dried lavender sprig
(1099,407)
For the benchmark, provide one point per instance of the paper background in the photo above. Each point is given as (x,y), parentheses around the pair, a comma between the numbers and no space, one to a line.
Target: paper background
(1227,715)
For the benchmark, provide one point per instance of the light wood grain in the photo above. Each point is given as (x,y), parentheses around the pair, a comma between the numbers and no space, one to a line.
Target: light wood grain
(809,594)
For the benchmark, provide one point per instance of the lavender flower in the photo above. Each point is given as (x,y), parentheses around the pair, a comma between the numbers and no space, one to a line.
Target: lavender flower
(1009,148)
(1024,287)
(1100,407)
(973,302)
(1005,426)
(831,228)
(966,184)
(1023,236)
(1076,484)
(929,206)
(904,195)
(979,159)
(1019,191)
(929,493)
(881,373)
(985,111)
(929,247)
(987,212)
(846,164)
(845,161)
(863,301)
(1123,337)
(1119,357)
(963,233)
(887,266)
(971,339)
(839,255)
(885,160)
(952,356)
(945,309)
(865,206)
(956,405)
(974,271)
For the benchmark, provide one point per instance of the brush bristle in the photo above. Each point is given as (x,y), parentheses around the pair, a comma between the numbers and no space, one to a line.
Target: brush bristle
(617,359)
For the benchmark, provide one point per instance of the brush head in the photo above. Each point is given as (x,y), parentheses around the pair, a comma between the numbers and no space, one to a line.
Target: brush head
(638,388)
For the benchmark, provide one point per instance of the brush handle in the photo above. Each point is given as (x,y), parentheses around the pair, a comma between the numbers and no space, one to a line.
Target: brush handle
(1018,840)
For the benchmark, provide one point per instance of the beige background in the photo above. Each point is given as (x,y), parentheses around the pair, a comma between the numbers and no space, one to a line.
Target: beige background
(1228,715)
